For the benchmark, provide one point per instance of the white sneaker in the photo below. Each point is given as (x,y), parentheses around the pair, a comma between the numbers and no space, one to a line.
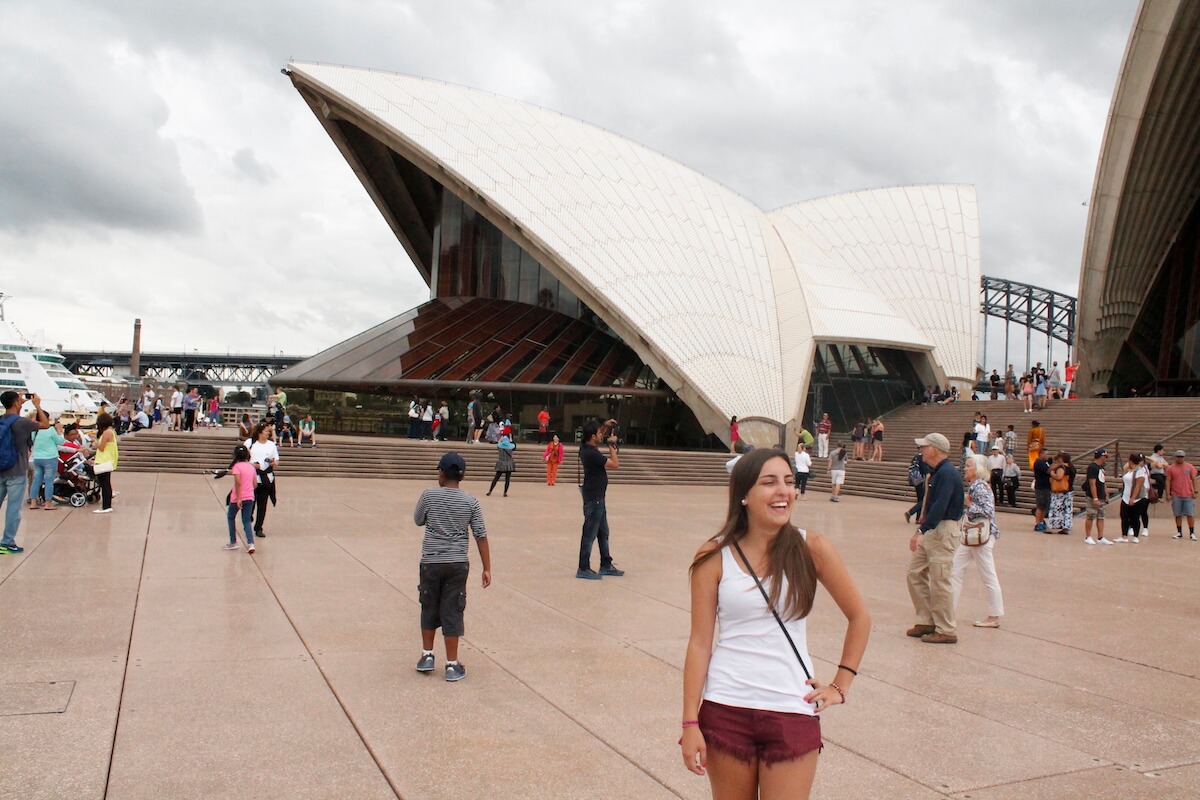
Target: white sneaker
(250,549)
(232,546)
(1089,540)
(1118,540)
(1134,540)
(102,511)
(1193,537)
(1105,541)
(1145,532)
(1179,535)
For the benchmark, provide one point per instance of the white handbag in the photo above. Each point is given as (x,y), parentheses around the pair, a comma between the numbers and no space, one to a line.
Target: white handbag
(976,531)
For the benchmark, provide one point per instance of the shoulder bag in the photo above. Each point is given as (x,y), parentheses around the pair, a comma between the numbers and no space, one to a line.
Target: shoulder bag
(774,613)
(976,531)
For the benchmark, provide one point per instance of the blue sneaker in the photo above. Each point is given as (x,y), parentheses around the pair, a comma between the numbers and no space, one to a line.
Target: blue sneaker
(1041,526)
(425,664)
(612,570)
(587,574)
(455,672)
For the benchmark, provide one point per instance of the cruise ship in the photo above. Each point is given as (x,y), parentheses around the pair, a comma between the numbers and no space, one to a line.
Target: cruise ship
(35,370)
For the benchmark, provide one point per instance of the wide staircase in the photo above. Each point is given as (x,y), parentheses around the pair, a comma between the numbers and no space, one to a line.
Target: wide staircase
(405,459)
(1076,426)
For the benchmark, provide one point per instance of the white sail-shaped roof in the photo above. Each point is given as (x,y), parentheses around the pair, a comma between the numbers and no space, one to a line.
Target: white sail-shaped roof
(915,249)
(724,301)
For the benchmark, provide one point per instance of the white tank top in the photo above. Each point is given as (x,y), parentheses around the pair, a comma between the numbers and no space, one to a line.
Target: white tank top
(752,665)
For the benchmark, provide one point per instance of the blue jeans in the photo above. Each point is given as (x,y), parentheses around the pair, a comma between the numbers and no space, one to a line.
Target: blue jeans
(44,472)
(12,490)
(595,528)
(247,520)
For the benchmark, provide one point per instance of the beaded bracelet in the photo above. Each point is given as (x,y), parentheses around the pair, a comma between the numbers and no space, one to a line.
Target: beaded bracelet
(691,723)
(853,672)
(838,689)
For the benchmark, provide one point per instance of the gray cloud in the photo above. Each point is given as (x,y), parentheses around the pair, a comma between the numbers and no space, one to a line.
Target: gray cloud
(780,101)
(82,143)
(250,167)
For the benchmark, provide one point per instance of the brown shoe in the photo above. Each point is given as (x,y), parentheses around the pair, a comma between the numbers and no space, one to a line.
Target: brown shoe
(939,638)
(917,631)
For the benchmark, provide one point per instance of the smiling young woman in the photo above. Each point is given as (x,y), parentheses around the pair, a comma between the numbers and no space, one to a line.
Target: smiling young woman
(749,706)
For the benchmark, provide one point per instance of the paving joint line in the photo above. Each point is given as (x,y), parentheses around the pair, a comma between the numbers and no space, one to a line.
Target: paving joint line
(137,599)
(321,671)
(595,735)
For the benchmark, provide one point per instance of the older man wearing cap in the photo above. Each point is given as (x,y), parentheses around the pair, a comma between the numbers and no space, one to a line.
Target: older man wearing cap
(447,512)
(933,545)
(1181,483)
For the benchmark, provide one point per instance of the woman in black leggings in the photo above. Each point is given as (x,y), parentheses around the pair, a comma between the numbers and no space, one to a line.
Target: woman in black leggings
(1134,498)
(504,462)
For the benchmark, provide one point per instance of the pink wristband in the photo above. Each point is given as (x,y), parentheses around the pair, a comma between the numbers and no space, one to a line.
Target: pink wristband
(691,723)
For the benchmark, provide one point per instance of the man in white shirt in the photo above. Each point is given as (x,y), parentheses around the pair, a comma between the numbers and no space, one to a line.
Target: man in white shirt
(803,461)
(148,396)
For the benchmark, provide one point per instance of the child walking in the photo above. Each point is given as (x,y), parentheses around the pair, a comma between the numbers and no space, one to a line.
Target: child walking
(447,512)
(241,498)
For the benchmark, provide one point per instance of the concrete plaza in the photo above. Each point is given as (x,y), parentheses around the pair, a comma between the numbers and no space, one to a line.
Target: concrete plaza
(140,660)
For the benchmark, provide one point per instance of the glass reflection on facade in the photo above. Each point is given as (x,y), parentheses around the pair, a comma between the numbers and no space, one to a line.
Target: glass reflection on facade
(473,258)
(856,382)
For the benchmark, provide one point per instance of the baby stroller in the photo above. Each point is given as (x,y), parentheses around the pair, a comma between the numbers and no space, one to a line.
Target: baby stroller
(75,484)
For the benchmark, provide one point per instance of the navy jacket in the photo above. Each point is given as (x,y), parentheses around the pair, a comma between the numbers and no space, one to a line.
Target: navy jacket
(944,499)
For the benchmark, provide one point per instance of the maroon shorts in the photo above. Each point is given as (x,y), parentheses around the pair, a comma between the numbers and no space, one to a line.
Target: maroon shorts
(750,734)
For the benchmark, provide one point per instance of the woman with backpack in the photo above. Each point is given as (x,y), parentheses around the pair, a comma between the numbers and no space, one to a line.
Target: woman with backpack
(918,470)
(504,462)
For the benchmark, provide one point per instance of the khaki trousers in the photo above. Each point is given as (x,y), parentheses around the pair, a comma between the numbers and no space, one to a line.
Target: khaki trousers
(929,582)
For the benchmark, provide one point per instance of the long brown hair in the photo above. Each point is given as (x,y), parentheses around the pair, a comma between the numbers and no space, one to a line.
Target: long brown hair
(789,555)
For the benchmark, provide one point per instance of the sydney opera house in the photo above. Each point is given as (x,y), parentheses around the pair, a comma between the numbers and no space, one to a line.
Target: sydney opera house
(572,267)
(1139,289)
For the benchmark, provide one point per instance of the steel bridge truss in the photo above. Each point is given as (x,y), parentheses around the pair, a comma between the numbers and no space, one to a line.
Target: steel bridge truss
(1035,309)
(198,368)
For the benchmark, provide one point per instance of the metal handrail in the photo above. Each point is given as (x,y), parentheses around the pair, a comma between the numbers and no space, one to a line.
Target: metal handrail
(1117,442)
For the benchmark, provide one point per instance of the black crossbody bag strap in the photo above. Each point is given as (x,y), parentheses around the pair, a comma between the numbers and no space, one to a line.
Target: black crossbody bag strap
(774,613)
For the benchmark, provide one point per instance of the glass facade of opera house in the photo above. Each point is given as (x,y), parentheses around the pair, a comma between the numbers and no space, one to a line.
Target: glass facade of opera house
(503,325)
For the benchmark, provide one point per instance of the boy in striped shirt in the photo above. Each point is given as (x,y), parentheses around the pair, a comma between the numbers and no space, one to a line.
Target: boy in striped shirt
(447,512)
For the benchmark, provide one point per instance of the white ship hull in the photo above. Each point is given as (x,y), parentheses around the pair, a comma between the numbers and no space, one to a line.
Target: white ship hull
(33,370)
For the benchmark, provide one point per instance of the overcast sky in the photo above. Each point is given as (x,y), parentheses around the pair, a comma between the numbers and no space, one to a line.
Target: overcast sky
(154,162)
